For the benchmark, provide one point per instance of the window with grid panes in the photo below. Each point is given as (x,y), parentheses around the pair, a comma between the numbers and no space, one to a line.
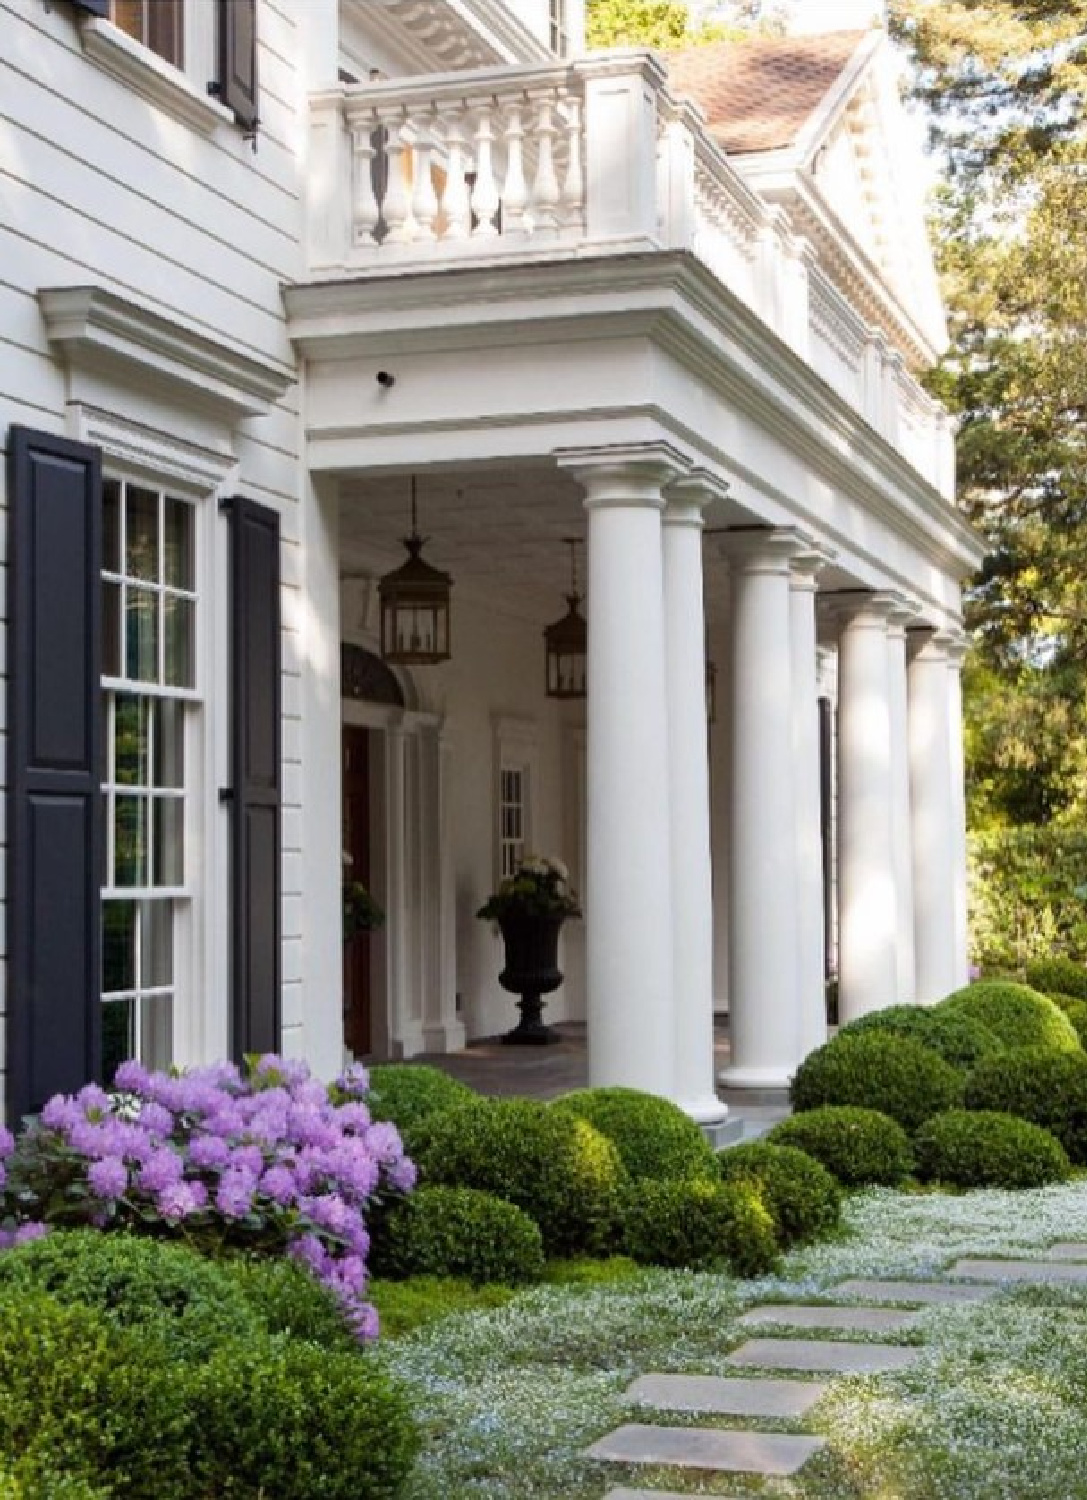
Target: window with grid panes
(559,30)
(157,24)
(150,692)
(511,818)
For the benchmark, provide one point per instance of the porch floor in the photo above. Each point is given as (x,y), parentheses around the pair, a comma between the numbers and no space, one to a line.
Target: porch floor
(490,1067)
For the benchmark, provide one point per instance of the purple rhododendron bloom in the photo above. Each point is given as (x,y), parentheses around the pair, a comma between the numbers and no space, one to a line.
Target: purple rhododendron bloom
(184,1198)
(132,1077)
(309,1250)
(163,1169)
(234,1197)
(354,1116)
(27,1232)
(354,1080)
(60,1113)
(7,1143)
(278,1183)
(94,1101)
(403,1175)
(109,1177)
(155,1119)
(248,1159)
(383,1141)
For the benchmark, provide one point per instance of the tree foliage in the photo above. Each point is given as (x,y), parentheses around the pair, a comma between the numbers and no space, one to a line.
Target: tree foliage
(669,24)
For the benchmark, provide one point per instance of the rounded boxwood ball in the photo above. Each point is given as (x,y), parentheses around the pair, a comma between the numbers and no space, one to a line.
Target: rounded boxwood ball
(455,1231)
(1037,1084)
(1058,974)
(558,1168)
(982,1148)
(699,1225)
(960,1040)
(406,1094)
(803,1198)
(1076,1011)
(857,1146)
(653,1136)
(876,1070)
(1018,1015)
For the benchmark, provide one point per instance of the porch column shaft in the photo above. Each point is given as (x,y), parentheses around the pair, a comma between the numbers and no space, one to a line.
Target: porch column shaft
(958,810)
(933,821)
(906,961)
(811,918)
(868,964)
(628,909)
(692,895)
(764,1021)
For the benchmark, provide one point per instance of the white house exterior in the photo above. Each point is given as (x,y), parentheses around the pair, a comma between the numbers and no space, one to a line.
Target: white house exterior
(430,239)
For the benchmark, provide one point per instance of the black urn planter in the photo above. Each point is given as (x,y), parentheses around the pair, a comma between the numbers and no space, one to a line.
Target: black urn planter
(531,971)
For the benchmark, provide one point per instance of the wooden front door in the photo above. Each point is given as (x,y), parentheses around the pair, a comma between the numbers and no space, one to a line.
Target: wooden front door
(356,843)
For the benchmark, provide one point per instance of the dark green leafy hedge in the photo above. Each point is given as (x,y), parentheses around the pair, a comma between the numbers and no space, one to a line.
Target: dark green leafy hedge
(654,1138)
(288,1299)
(1016,1014)
(857,1146)
(979,1149)
(1076,1011)
(457,1231)
(562,1172)
(803,1198)
(1045,1087)
(960,1040)
(1058,974)
(406,1094)
(699,1225)
(876,1070)
(1027,895)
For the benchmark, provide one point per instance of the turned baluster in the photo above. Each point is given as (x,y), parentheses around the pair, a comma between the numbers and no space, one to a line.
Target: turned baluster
(572,195)
(545,189)
(456,200)
(396,209)
(424,200)
(515,193)
(366,210)
(485,199)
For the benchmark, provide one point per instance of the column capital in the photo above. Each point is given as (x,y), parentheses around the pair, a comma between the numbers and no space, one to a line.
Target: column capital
(689,494)
(764,549)
(805,566)
(624,474)
(938,643)
(861,608)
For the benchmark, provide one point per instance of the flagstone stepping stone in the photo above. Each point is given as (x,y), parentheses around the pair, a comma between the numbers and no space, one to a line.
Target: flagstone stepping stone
(719,1449)
(934,1292)
(1020,1270)
(1072,1250)
(855,1319)
(830,1356)
(735,1397)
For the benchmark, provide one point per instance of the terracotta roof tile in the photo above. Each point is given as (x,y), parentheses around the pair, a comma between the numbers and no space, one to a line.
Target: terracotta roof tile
(759,93)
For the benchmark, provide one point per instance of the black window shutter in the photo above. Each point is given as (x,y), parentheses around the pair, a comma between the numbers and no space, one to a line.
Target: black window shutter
(54,868)
(96,7)
(255,689)
(238,60)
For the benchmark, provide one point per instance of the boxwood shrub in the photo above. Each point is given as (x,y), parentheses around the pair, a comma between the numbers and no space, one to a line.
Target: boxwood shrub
(164,1291)
(409,1093)
(803,1198)
(960,1040)
(653,1136)
(982,1148)
(288,1299)
(1018,1015)
(558,1168)
(699,1225)
(1059,974)
(280,1419)
(1045,1087)
(1076,1011)
(876,1070)
(857,1146)
(457,1231)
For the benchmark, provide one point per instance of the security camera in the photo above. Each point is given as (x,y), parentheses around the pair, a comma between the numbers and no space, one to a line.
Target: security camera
(385,380)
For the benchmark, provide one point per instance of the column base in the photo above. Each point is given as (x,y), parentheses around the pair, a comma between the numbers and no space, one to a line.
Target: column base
(773,1079)
(704,1110)
(445,1036)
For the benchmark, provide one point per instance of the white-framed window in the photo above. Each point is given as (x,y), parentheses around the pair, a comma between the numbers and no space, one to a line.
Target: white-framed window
(157,24)
(559,27)
(152,700)
(515,764)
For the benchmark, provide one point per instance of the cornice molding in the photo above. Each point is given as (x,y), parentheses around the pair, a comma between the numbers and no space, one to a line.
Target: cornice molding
(92,327)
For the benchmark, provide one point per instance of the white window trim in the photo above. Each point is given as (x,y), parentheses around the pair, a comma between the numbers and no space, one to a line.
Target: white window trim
(516,748)
(152,77)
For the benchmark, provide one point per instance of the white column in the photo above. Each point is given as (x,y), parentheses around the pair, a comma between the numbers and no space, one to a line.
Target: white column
(932,820)
(900,800)
(692,893)
(764,1021)
(955,657)
(443,1031)
(628,896)
(868,963)
(811,922)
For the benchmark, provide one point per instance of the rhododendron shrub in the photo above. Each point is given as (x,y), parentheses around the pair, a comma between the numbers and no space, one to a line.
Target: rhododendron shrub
(260,1160)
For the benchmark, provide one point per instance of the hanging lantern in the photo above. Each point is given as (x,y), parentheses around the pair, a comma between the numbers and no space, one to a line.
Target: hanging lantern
(415,606)
(567,641)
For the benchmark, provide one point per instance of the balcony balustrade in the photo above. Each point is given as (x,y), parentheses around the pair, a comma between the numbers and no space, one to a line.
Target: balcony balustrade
(585,158)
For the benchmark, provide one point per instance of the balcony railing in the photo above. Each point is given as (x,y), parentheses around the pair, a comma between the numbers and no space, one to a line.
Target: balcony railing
(582,158)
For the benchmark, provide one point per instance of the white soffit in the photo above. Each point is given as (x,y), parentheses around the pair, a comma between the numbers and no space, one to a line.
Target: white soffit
(457,34)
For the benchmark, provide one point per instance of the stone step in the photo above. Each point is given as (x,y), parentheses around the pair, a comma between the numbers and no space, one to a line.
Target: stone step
(735,1397)
(854,1319)
(926,1292)
(828,1356)
(1020,1270)
(1070,1250)
(719,1449)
